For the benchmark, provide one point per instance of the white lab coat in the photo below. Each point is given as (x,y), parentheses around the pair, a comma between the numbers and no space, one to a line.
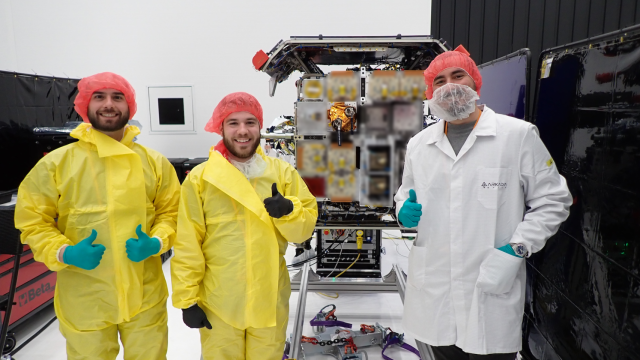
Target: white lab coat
(472,204)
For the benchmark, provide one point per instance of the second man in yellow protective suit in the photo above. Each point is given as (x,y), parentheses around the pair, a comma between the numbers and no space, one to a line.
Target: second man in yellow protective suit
(237,213)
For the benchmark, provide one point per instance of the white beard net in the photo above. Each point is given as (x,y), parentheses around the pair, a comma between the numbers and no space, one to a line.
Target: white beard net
(251,168)
(453,102)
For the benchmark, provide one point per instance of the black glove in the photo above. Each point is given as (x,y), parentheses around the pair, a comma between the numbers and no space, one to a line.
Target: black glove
(195,318)
(277,206)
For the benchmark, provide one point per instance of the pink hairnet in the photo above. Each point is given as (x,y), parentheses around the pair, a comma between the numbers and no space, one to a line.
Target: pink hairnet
(458,58)
(106,80)
(234,102)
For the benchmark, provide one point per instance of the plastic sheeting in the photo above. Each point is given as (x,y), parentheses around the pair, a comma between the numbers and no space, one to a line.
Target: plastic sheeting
(504,84)
(583,293)
(26,102)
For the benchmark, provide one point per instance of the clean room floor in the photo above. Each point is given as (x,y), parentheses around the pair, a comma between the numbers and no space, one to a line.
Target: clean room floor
(184,343)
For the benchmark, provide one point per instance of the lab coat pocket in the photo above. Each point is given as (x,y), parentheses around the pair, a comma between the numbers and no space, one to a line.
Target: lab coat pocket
(417,267)
(493,183)
(498,272)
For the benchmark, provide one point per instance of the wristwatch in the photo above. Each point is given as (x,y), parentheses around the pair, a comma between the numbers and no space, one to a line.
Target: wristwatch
(519,249)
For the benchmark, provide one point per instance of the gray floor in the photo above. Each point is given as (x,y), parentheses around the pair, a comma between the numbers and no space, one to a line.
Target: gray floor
(184,343)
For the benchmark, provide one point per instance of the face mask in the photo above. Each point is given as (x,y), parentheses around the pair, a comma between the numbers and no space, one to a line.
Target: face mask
(453,102)
(251,168)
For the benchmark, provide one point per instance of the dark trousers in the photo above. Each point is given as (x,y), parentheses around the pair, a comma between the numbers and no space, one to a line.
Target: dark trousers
(453,352)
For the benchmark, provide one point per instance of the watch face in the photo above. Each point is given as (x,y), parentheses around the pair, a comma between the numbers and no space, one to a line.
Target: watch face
(520,249)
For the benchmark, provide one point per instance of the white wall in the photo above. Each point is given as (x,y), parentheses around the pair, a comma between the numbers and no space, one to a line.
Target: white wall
(207,44)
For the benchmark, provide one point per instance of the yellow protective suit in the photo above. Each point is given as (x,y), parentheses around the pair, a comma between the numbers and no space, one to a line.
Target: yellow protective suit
(99,183)
(229,255)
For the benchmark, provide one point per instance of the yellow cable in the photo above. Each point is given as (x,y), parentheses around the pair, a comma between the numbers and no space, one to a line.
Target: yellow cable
(329,296)
(354,261)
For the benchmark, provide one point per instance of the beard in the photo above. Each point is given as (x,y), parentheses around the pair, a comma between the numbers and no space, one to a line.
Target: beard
(240,154)
(116,125)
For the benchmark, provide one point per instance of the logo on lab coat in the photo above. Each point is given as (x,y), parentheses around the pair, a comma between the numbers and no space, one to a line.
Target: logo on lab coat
(494,185)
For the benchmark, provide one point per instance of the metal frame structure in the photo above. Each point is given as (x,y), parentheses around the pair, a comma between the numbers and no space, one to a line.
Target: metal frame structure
(341,44)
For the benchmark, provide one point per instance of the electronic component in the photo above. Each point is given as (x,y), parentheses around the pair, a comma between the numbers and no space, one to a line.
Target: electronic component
(407,118)
(379,186)
(341,248)
(343,86)
(376,120)
(383,86)
(412,86)
(377,171)
(311,161)
(311,118)
(313,89)
(379,158)
(342,180)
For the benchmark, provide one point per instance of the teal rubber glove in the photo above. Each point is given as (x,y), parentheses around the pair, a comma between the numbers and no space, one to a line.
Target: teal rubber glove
(141,248)
(410,214)
(509,250)
(84,254)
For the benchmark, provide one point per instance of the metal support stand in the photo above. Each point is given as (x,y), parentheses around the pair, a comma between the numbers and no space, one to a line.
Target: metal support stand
(400,280)
(294,352)
(425,351)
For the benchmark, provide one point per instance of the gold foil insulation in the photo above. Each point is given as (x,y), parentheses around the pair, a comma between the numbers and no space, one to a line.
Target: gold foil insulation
(337,111)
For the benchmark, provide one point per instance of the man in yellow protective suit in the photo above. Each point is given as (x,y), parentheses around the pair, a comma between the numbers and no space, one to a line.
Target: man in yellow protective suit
(100,212)
(237,212)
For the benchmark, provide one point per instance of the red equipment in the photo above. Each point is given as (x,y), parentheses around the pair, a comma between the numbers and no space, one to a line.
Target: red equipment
(26,286)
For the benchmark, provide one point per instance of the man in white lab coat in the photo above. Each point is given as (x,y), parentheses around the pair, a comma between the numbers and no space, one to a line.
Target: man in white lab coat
(484,194)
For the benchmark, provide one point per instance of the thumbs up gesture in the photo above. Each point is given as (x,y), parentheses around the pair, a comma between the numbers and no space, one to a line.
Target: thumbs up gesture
(411,211)
(277,205)
(84,254)
(141,248)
